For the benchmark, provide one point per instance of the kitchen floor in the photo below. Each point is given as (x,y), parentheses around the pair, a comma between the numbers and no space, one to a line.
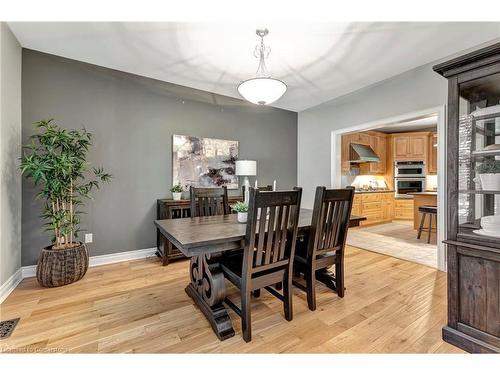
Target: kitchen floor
(397,239)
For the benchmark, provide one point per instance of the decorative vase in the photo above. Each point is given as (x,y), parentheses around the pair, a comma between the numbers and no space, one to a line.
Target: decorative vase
(242,217)
(177,196)
(62,267)
(490,181)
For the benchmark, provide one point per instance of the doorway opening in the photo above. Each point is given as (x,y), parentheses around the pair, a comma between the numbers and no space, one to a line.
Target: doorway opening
(397,166)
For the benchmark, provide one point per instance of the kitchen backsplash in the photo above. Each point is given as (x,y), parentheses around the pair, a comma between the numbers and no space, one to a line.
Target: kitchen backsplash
(368,181)
(431,182)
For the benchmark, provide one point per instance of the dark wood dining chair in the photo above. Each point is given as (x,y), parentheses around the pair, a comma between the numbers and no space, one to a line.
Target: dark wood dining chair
(324,245)
(209,201)
(260,188)
(269,248)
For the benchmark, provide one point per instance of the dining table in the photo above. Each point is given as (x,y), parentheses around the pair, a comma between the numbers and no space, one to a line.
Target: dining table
(204,240)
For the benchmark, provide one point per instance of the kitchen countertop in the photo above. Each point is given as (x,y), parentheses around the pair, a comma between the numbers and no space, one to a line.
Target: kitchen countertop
(372,191)
(426,193)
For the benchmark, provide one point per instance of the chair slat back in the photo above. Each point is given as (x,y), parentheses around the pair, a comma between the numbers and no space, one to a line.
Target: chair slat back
(209,201)
(260,188)
(271,228)
(265,188)
(330,221)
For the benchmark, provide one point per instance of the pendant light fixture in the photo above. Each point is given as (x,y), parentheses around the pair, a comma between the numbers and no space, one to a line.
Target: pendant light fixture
(262,89)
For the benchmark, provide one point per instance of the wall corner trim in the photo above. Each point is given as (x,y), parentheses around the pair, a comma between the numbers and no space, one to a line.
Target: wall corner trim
(98,260)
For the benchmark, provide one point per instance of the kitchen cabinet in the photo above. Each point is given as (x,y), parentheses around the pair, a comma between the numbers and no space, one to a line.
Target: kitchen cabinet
(347,139)
(364,139)
(411,146)
(418,146)
(403,209)
(387,206)
(401,146)
(376,207)
(344,157)
(433,150)
(382,153)
(356,207)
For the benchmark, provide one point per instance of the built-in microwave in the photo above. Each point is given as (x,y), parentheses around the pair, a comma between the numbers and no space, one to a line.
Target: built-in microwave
(406,186)
(409,169)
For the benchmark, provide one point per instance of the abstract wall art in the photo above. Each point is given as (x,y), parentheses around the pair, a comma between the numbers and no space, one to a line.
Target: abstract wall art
(204,162)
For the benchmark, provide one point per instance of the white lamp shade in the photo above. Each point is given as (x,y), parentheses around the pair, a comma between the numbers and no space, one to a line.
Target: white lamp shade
(246,168)
(262,90)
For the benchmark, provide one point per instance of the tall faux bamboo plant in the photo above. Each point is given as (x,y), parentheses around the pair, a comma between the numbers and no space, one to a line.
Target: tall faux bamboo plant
(56,161)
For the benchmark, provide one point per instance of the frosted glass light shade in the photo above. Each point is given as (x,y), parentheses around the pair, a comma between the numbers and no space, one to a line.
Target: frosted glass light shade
(246,167)
(262,90)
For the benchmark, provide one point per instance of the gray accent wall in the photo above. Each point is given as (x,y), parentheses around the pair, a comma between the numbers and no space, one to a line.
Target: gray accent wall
(133,119)
(10,151)
(415,90)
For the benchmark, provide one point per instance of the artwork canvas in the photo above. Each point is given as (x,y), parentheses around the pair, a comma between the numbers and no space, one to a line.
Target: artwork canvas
(204,162)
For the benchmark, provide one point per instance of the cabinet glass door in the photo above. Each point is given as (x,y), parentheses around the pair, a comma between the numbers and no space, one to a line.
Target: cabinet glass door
(479,158)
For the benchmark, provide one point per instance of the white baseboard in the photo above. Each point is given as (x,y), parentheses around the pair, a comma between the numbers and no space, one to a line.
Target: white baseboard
(10,284)
(28,271)
(97,260)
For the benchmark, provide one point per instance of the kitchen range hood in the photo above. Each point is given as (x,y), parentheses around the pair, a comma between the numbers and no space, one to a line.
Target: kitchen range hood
(359,153)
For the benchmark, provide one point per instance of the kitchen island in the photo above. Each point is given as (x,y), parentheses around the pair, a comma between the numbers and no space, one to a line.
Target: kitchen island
(426,198)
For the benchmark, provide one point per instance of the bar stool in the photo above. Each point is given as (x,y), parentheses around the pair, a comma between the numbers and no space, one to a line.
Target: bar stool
(432,212)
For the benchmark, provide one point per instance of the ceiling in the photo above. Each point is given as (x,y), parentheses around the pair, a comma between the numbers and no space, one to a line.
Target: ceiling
(420,124)
(318,61)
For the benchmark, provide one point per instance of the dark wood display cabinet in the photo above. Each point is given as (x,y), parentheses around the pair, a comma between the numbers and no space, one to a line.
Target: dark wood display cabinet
(473,246)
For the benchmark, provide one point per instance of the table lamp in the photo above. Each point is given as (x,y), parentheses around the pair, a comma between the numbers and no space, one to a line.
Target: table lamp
(246,168)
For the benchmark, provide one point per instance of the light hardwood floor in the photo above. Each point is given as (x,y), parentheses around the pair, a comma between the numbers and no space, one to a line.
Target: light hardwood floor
(391,306)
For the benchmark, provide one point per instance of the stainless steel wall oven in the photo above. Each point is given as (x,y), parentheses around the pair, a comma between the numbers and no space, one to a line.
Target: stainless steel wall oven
(409,169)
(405,186)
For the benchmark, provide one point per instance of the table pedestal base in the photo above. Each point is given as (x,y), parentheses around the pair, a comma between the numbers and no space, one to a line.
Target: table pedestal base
(217,315)
(208,291)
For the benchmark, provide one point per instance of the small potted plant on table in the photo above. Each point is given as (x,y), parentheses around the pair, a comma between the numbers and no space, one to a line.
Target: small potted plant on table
(56,161)
(241,209)
(177,191)
(489,174)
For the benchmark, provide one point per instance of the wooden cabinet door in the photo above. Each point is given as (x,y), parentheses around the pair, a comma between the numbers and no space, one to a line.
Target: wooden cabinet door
(478,297)
(374,167)
(356,205)
(432,162)
(403,209)
(401,146)
(382,153)
(388,206)
(346,145)
(364,139)
(388,210)
(356,209)
(418,146)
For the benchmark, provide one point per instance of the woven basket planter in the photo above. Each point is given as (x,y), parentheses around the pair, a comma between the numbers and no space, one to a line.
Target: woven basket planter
(62,267)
